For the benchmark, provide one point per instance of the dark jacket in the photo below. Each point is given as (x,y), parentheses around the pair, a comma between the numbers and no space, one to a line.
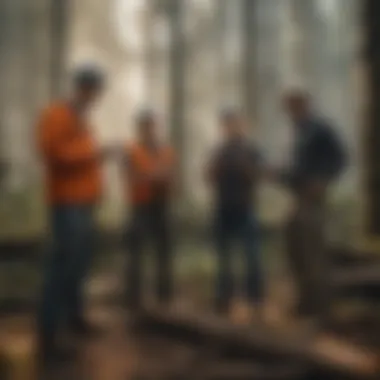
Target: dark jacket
(235,182)
(318,154)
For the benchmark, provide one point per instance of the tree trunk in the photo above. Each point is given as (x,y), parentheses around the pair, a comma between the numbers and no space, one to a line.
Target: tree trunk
(269,17)
(17,86)
(59,18)
(231,57)
(4,20)
(372,143)
(177,82)
(249,62)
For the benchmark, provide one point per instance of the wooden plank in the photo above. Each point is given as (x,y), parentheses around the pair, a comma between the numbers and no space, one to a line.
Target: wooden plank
(327,352)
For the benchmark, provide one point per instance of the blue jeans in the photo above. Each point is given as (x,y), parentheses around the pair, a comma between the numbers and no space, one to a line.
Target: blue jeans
(237,226)
(67,266)
(149,224)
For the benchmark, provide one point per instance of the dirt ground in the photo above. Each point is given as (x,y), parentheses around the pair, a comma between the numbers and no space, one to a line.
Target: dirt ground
(119,354)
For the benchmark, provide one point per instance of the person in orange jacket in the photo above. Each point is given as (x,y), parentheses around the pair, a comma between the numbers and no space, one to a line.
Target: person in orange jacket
(72,163)
(149,181)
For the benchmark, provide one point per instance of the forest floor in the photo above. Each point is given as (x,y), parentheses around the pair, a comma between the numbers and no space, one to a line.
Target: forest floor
(118,354)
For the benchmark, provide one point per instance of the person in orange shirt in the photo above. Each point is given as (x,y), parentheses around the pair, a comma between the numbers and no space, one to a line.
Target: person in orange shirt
(72,162)
(149,181)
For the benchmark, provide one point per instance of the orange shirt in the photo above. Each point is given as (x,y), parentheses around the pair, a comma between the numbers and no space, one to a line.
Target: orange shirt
(142,163)
(70,157)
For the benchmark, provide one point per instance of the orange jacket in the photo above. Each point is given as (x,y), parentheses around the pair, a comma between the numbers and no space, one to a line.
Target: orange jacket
(70,157)
(142,162)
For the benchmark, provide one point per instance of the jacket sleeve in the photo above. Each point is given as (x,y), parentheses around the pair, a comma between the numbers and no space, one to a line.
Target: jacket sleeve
(56,144)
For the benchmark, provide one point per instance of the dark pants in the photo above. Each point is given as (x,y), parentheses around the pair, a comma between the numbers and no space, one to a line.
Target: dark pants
(150,223)
(241,227)
(308,257)
(67,266)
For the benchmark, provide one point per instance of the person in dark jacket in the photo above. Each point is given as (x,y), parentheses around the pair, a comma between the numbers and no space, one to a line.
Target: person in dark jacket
(319,158)
(233,173)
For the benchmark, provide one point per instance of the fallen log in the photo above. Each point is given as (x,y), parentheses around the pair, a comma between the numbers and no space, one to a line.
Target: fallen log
(28,250)
(242,371)
(17,305)
(343,257)
(368,275)
(325,352)
(361,281)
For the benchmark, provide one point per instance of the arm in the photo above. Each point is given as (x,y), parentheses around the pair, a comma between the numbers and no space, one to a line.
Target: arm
(213,168)
(137,174)
(57,145)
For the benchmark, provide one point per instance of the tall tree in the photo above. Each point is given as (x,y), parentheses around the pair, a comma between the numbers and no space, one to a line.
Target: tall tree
(249,54)
(269,19)
(222,14)
(372,143)
(177,74)
(4,20)
(328,54)
(150,51)
(231,57)
(59,17)
(16,85)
